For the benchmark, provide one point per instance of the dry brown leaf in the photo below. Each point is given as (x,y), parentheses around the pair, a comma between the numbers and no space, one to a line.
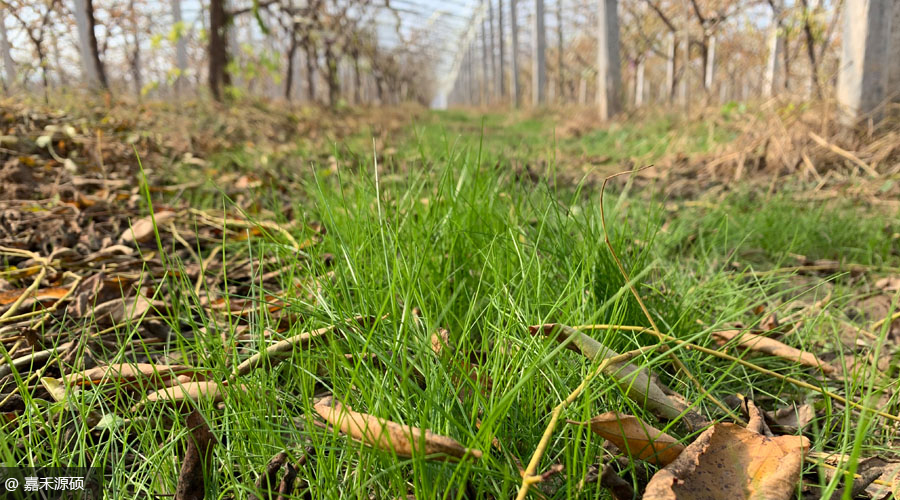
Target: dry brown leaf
(129,373)
(635,437)
(730,462)
(403,440)
(120,310)
(193,391)
(766,345)
(889,284)
(46,295)
(792,419)
(141,230)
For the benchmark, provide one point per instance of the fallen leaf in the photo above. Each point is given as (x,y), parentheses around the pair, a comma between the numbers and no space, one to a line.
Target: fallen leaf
(191,484)
(791,419)
(634,380)
(129,373)
(402,440)
(635,437)
(118,311)
(142,230)
(193,391)
(773,347)
(730,462)
(46,295)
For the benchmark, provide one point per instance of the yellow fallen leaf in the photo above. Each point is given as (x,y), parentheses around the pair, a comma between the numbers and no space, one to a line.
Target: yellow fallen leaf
(767,345)
(635,437)
(403,440)
(732,463)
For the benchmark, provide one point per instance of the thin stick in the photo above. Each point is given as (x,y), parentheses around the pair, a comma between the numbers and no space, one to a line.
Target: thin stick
(675,361)
(728,357)
(878,324)
(217,222)
(843,152)
(528,478)
(5,317)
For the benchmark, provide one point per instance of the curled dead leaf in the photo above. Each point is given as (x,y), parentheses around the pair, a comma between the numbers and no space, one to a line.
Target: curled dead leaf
(403,440)
(191,391)
(730,462)
(767,345)
(142,230)
(130,373)
(635,437)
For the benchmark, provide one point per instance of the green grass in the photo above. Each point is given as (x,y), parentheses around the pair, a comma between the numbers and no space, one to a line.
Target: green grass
(483,256)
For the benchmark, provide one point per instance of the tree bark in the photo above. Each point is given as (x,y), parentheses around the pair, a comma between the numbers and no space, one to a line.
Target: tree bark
(539,57)
(218,49)
(709,63)
(775,47)
(865,59)
(560,68)
(493,49)
(90,52)
(671,67)
(291,61)
(9,65)
(514,56)
(181,57)
(136,52)
(609,71)
(312,58)
(639,82)
(502,42)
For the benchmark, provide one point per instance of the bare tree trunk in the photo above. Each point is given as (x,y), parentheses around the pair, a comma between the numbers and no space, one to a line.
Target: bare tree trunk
(894,68)
(181,57)
(609,71)
(671,59)
(514,55)
(684,96)
(514,25)
(710,63)
(485,81)
(775,45)
(136,53)
(291,61)
(494,79)
(639,82)
(560,69)
(311,60)
(9,65)
(332,79)
(218,48)
(502,42)
(539,57)
(865,59)
(90,54)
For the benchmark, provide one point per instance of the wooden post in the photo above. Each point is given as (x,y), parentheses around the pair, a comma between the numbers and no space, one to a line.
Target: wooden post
(865,58)
(609,70)
(539,57)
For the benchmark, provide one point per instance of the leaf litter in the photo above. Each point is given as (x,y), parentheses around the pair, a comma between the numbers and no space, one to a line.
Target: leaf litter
(81,262)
